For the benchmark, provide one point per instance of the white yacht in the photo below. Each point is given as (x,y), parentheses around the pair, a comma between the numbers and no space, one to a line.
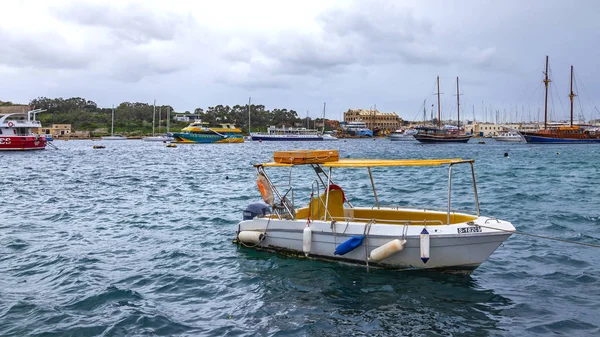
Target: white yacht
(509,136)
(402,135)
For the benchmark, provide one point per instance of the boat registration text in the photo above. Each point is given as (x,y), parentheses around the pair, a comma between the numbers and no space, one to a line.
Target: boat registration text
(474,229)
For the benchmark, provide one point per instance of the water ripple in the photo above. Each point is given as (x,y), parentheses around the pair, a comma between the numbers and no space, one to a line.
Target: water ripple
(135,239)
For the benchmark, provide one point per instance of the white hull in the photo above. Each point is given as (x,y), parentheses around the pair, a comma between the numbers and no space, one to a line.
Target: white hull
(401,138)
(507,139)
(328,137)
(157,139)
(513,137)
(114,138)
(450,249)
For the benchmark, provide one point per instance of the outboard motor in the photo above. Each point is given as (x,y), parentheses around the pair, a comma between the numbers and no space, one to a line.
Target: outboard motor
(256,209)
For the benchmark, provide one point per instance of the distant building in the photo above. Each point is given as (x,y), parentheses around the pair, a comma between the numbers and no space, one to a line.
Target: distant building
(56,130)
(374,119)
(491,129)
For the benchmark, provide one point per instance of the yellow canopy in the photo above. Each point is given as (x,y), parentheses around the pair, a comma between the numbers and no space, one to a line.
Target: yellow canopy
(348,163)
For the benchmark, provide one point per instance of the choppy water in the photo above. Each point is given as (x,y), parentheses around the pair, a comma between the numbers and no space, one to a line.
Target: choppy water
(135,239)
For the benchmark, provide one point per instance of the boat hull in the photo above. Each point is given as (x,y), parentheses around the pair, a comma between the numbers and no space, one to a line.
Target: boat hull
(287,138)
(554,140)
(508,140)
(22,143)
(451,247)
(207,138)
(157,139)
(114,138)
(401,138)
(424,138)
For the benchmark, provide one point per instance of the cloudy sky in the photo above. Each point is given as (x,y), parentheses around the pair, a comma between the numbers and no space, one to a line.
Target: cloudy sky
(299,54)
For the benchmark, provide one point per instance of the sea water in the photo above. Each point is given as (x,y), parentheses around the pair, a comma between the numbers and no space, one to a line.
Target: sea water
(135,239)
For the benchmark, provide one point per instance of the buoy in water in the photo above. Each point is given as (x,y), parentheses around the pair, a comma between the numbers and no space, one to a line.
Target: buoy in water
(387,250)
(481,142)
(506,154)
(251,237)
(98,146)
(424,245)
(171,145)
(306,240)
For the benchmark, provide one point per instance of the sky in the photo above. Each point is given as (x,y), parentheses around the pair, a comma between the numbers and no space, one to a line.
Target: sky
(300,54)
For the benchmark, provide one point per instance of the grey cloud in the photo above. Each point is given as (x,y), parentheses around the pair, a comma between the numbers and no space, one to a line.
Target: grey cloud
(132,23)
(131,65)
(46,49)
(366,35)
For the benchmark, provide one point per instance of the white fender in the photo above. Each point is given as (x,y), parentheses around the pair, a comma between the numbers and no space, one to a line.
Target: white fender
(306,240)
(387,250)
(424,245)
(250,237)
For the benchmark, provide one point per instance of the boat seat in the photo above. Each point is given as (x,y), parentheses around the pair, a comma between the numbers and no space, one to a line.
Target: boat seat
(316,209)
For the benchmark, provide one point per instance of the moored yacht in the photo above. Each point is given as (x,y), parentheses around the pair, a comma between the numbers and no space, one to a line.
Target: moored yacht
(358,129)
(401,134)
(287,134)
(509,136)
(16,134)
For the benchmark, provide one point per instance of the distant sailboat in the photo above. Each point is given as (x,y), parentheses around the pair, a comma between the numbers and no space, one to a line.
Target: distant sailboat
(160,138)
(427,134)
(561,134)
(112,129)
(326,136)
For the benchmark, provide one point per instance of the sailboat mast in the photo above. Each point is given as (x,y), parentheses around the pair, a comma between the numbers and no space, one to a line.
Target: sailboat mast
(324,105)
(153,118)
(168,118)
(458,103)
(571,95)
(159,119)
(112,123)
(249,102)
(439,112)
(424,112)
(546,81)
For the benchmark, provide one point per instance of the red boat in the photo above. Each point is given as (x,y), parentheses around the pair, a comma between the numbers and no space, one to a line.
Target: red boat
(15,132)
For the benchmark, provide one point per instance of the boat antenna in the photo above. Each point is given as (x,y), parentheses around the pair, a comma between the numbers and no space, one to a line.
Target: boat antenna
(572,95)
(546,81)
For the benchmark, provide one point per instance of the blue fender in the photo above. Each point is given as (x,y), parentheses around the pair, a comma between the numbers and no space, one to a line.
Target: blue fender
(349,245)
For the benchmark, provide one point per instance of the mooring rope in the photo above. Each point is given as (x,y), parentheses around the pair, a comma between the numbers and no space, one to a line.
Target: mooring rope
(543,237)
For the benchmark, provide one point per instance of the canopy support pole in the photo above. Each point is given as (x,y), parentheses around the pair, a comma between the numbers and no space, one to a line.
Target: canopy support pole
(475,188)
(327,196)
(449,191)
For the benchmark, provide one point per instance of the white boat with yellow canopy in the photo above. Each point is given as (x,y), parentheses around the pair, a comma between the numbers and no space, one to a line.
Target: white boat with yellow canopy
(331,228)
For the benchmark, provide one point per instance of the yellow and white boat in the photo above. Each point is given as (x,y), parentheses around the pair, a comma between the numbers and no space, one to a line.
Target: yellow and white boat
(331,228)
(200,132)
